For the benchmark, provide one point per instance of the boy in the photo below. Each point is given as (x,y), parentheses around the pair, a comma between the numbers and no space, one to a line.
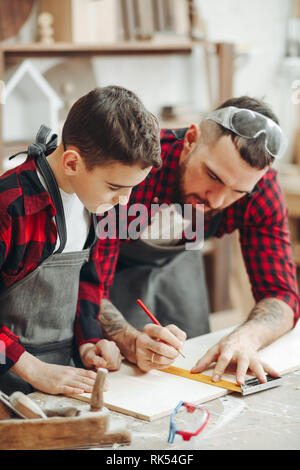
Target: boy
(50,274)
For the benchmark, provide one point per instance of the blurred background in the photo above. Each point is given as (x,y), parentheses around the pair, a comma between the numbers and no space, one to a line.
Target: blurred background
(182,58)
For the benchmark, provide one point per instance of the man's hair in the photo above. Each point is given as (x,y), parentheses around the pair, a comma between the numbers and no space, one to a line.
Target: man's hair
(252,151)
(110,125)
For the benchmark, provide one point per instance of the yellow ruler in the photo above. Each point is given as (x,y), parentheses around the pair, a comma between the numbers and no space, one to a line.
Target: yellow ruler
(202,378)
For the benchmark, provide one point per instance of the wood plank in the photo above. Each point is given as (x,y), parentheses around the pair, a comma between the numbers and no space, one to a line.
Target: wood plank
(226,70)
(155,394)
(293,204)
(182,46)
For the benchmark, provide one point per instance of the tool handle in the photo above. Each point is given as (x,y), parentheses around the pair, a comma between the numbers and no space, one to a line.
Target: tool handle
(64,411)
(97,393)
(26,406)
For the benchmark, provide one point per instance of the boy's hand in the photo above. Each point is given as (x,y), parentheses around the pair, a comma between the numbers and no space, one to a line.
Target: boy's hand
(52,378)
(157,347)
(102,354)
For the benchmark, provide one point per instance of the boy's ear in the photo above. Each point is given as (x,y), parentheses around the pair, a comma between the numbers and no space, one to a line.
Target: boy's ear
(191,140)
(71,161)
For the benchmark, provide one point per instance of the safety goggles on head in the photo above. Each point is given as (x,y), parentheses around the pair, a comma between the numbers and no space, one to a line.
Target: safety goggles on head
(250,124)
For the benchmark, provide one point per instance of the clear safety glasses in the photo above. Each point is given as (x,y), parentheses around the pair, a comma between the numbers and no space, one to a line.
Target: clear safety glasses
(187,424)
(250,124)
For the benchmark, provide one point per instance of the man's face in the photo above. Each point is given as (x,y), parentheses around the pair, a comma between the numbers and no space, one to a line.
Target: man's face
(106,186)
(214,175)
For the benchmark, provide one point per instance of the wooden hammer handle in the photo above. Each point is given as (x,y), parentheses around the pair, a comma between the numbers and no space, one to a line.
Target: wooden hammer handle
(97,393)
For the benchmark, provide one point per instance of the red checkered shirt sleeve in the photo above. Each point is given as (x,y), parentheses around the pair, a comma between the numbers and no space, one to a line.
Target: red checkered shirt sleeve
(95,279)
(10,347)
(265,242)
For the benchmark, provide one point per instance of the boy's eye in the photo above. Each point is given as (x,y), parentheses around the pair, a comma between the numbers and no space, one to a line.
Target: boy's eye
(113,189)
(213,177)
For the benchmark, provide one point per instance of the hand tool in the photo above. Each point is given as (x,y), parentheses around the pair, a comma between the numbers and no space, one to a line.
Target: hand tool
(27,407)
(97,394)
(22,405)
(66,411)
(250,386)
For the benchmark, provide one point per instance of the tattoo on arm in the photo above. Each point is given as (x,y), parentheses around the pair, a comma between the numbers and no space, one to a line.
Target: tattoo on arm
(111,318)
(268,320)
(269,312)
(117,329)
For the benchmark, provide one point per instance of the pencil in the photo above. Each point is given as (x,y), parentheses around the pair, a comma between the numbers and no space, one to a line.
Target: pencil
(152,317)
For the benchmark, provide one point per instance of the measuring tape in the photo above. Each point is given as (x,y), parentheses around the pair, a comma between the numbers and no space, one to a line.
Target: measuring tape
(202,378)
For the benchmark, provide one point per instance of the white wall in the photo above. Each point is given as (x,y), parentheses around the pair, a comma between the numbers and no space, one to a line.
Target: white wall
(257,27)
(260,26)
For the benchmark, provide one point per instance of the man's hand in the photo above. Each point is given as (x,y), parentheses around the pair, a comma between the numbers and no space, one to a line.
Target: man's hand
(54,379)
(269,319)
(157,347)
(238,349)
(153,348)
(102,354)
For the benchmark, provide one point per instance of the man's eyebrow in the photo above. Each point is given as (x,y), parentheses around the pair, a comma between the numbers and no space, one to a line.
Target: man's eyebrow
(219,179)
(118,185)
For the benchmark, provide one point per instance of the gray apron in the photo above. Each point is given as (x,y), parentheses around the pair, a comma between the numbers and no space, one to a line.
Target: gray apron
(41,308)
(169,280)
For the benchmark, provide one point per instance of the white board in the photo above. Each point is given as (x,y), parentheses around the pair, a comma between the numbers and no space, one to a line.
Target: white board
(155,394)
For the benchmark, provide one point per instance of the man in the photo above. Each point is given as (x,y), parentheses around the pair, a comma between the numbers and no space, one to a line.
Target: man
(50,274)
(225,165)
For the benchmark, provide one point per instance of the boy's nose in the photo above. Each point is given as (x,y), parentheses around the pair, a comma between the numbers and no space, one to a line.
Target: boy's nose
(123,199)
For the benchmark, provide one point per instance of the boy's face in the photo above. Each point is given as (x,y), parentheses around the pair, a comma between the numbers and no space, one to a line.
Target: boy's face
(106,186)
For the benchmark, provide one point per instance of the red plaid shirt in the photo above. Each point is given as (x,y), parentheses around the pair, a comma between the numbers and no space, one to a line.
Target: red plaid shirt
(28,236)
(261,219)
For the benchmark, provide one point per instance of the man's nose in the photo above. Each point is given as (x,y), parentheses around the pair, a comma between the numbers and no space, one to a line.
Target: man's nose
(216,199)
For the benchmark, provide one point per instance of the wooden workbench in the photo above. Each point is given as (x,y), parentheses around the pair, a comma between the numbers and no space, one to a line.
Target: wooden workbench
(267,420)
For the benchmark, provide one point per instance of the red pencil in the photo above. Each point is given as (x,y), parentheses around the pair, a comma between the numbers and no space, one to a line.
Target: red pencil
(150,315)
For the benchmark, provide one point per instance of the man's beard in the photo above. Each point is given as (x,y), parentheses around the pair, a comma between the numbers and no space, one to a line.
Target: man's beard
(180,197)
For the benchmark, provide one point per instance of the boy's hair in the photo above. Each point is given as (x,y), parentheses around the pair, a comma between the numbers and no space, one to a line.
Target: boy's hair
(252,151)
(110,125)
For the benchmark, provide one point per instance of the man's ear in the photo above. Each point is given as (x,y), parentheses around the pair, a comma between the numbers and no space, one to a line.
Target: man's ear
(71,161)
(191,140)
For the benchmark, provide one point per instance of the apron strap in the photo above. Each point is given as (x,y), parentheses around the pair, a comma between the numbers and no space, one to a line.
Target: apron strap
(53,188)
(38,151)
(40,145)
